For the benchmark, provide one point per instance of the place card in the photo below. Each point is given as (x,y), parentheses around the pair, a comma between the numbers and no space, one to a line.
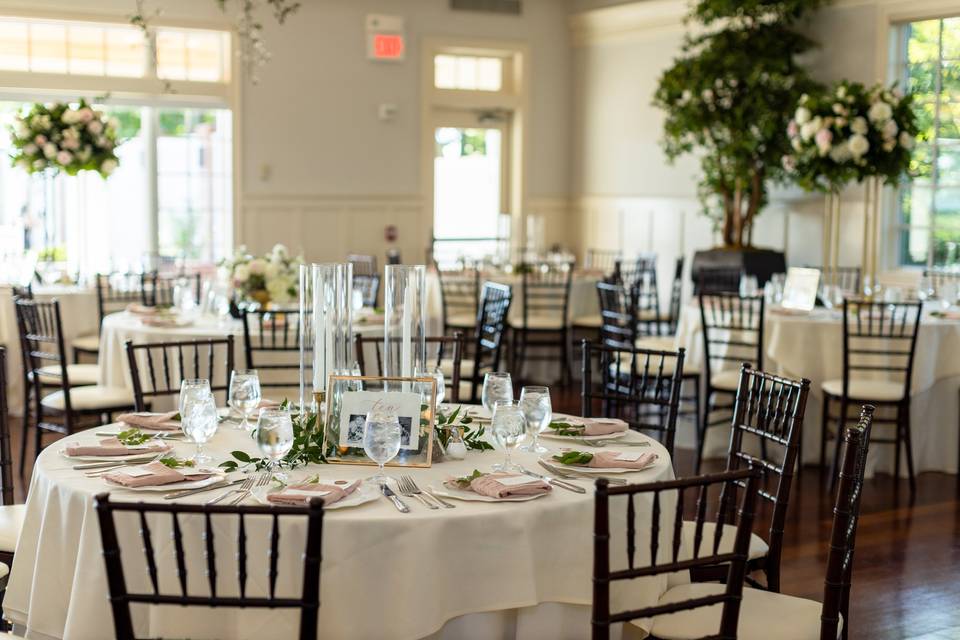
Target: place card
(513,481)
(137,472)
(628,456)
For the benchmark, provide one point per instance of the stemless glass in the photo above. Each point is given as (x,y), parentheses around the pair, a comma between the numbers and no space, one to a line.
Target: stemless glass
(199,423)
(509,427)
(381,439)
(274,435)
(245,394)
(538,411)
(497,386)
(192,388)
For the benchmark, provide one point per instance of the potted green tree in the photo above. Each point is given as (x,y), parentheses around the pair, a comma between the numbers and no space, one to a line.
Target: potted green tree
(728,98)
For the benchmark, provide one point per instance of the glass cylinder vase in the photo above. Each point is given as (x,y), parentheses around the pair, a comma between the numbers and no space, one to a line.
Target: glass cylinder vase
(305,338)
(330,317)
(404,323)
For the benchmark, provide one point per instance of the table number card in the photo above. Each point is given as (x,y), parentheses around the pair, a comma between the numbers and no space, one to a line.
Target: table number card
(800,289)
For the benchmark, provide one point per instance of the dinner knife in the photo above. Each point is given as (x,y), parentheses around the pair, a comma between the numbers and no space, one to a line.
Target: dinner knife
(397,502)
(559,483)
(190,492)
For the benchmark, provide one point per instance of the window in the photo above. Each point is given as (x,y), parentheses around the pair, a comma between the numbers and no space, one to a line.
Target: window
(928,62)
(471,73)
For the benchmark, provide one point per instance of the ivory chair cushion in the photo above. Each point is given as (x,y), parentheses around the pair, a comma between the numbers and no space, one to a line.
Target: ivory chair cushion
(466,369)
(657,343)
(758,546)
(763,615)
(728,380)
(91,398)
(462,320)
(648,314)
(883,390)
(87,343)
(79,374)
(545,323)
(589,322)
(11,522)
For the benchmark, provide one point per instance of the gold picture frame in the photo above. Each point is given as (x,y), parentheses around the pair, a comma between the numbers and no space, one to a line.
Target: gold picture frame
(350,397)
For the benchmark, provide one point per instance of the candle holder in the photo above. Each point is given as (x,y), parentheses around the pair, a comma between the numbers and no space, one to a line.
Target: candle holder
(404,333)
(327,302)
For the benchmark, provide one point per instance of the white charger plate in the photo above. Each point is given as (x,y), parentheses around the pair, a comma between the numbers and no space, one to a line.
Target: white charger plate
(470,496)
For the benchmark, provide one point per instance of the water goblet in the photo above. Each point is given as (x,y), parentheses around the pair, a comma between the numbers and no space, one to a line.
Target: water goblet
(509,427)
(244,395)
(381,439)
(497,386)
(538,411)
(198,420)
(274,435)
(191,388)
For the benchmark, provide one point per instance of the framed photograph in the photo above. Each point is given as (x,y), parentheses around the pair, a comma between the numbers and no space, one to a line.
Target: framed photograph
(350,398)
(800,289)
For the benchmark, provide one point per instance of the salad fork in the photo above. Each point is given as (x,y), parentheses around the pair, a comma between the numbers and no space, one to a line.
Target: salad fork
(262,481)
(408,488)
(246,486)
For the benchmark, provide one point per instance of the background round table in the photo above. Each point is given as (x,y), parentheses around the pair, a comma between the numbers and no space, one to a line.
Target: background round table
(481,570)
(811,346)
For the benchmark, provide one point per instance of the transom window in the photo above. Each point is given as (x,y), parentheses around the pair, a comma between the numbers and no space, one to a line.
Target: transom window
(470,73)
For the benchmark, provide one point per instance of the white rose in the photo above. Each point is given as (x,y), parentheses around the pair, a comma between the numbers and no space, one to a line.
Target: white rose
(271,271)
(21,128)
(808,130)
(859,125)
(890,130)
(70,117)
(241,273)
(108,166)
(840,153)
(64,158)
(95,127)
(39,164)
(879,112)
(49,150)
(30,149)
(279,290)
(841,91)
(802,116)
(906,140)
(257,266)
(839,109)
(707,95)
(796,144)
(858,145)
(85,114)
(85,154)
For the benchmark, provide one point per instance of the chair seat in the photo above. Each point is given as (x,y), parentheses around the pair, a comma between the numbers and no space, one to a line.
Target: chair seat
(466,369)
(758,546)
(79,374)
(763,615)
(11,522)
(882,390)
(462,320)
(91,398)
(589,322)
(543,323)
(726,380)
(647,315)
(87,343)
(657,343)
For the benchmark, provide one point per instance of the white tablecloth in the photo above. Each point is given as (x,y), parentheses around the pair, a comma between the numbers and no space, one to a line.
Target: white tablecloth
(811,346)
(480,570)
(78,313)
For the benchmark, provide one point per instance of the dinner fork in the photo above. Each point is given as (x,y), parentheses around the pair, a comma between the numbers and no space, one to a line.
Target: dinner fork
(262,481)
(246,486)
(408,488)
(441,501)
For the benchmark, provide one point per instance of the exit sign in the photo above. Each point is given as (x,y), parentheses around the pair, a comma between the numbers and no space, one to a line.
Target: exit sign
(385,38)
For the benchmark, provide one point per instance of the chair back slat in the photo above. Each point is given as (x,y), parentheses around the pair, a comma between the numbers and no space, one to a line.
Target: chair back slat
(654,494)
(115,291)
(218,357)
(732,328)
(604,260)
(639,386)
(718,280)
(274,554)
(121,597)
(459,291)
(545,290)
(676,297)
(879,341)
(491,325)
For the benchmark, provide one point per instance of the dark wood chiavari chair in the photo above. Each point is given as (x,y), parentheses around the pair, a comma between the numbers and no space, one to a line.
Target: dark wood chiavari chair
(848,278)
(676,297)
(158,289)
(879,344)
(639,386)
(640,277)
(45,362)
(765,434)
(718,280)
(158,368)
(667,500)
(603,260)
(764,613)
(369,286)
(445,352)
(941,276)
(732,328)
(271,345)
(545,300)
(495,300)
(121,596)
(629,272)
(11,515)
(114,292)
(459,297)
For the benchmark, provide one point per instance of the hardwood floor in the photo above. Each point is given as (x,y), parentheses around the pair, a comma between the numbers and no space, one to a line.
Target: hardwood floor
(906,581)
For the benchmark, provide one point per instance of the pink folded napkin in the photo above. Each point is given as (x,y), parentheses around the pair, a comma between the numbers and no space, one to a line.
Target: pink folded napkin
(113,447)
(490,485)
(151,421)
(163,321)
(610,460)
(154,475)
(595,426)
(298,495)
(138,309)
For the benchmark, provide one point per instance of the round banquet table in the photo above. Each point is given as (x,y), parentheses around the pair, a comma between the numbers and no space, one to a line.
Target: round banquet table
(78,313)
(811,346)
(480,570)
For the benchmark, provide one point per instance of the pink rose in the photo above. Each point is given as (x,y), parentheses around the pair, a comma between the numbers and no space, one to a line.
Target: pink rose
(793,129)
(40,140)
(823,139)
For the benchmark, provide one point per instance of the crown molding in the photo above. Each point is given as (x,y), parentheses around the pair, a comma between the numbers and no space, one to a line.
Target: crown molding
(632,21)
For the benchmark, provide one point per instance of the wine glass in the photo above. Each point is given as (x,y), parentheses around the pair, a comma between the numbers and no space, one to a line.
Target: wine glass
(245,394)
(198,420)
(192,388)
(538,411)
(274,435)
(497,386)
(925,289)
(509,427)
(381,439)
(437,374)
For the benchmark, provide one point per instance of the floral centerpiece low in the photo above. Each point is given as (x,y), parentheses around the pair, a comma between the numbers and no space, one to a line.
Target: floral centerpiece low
(271,278)
(849,133)
(62,137)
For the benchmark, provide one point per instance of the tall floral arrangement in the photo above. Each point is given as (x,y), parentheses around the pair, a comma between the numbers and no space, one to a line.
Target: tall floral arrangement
(848,133)
(271,278)
(728,99)
(64,138)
